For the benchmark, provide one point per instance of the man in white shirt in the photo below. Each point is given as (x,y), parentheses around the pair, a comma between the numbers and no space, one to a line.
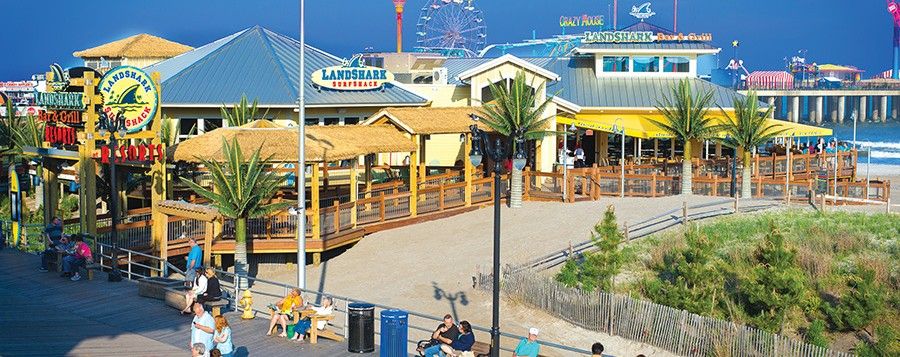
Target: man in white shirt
(202,327)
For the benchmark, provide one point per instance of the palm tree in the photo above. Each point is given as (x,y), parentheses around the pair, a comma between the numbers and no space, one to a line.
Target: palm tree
(242,190)
(747,129)
(169,130)
(686,120)
(19,132)
(242,113)
(514,113)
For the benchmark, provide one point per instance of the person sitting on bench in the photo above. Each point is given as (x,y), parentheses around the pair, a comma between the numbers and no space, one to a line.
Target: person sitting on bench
(462,343)
(283,309)
(49,255)
(327,309)
(197,289)
(447,329)
(213,291)
(80,258)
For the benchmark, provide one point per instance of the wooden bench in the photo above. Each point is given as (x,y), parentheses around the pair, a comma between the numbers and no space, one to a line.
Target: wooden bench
(216,306)
(315,333)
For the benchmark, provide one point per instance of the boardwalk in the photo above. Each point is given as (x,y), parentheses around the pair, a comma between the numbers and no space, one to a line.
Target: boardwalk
(45,315)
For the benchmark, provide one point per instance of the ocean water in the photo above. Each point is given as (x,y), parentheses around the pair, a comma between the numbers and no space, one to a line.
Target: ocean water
(883,139)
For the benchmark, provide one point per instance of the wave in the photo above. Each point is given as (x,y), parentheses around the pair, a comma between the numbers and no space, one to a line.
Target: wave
(879,144)
(885,155)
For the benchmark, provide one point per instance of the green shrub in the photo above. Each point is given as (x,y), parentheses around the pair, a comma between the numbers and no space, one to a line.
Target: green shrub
(688,278)
(815,334)
(887,343)
(600,267)
(774,284)
(863,302)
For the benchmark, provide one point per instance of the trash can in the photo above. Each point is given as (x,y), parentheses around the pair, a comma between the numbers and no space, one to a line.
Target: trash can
(394,331)
(361,328)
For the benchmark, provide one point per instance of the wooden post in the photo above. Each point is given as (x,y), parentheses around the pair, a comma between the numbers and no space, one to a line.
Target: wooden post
(653,185)
(526,183)
(314,203)
(441,196)
(423,172)
(354,189)
(414,179)
(684,212)
(381,208)
(368,168)
(625,231)
(337,216)
(467,171)
(51,192)
(162,226)
(208,235)
(88,172)
(736,202)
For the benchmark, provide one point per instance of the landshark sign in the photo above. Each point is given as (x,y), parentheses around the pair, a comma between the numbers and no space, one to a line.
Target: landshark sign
(352,75)
(131,91)
(642,11)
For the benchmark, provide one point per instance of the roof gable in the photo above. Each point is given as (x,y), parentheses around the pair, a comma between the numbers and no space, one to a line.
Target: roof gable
(486,66)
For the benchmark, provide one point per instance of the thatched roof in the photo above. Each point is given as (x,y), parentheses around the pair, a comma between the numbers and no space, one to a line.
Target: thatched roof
(142,45)
(323,143)
(263,124)
(428,120)
(189,210)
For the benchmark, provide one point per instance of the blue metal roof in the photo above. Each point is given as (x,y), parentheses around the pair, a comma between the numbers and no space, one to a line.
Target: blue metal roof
(579,84)
(649,46)
(263,65)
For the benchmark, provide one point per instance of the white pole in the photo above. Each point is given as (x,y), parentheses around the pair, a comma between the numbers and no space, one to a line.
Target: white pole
(622,161)
(836,158)
(868,162)
(564,158)
(301,158)
(854,128)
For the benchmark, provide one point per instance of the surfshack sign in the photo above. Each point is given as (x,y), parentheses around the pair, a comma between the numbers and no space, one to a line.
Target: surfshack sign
(132,92)
(352,75)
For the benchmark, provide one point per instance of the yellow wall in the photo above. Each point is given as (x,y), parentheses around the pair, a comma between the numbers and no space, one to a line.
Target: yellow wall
(443,150)
(446,95)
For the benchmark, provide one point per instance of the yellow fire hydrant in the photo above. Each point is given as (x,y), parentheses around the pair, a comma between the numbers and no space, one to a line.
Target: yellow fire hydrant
(247,304)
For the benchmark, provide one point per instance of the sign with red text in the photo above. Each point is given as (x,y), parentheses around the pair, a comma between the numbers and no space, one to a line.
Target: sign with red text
(133,153)
(69,117)
(60,135)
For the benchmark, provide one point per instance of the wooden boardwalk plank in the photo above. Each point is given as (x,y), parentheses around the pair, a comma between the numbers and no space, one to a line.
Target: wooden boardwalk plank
(47,315)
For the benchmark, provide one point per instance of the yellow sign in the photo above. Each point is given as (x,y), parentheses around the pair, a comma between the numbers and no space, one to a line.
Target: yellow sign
(130,91)
(15,205)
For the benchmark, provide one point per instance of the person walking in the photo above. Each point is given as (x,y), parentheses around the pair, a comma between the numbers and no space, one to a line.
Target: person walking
(528,347)
(202,327)
(222,337)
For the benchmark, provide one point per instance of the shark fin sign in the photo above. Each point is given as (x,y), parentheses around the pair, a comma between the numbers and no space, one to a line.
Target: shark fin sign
(132,92)
(352,75)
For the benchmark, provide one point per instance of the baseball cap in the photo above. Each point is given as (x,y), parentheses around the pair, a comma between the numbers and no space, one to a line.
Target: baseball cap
(534,331)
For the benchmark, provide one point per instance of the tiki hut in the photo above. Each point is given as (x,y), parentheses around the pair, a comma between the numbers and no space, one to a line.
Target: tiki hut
(137,46)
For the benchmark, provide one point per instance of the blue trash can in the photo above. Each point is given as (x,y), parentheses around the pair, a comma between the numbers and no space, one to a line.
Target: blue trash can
(394,332)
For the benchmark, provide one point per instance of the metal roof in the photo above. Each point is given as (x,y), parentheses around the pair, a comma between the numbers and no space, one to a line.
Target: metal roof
(263,65)
(579,84)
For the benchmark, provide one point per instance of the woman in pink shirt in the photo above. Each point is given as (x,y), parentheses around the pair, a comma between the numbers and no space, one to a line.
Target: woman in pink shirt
(72,262)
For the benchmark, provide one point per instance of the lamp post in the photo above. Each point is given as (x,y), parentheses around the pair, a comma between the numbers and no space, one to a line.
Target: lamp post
(301,157)
(733,190)
(618,128)
(497,152)
(113,126)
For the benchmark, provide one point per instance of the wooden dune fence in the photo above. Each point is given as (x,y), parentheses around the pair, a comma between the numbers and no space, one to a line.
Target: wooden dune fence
(677,331)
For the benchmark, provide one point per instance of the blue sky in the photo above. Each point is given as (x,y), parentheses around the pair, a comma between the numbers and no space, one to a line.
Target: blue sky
(41,32)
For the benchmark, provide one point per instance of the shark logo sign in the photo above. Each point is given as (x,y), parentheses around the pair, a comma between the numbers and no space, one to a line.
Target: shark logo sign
(642,11)
(130,90)
(60,80)
(352,75)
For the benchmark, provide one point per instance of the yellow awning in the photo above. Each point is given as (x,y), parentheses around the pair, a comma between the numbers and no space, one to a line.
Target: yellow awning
(635,125)
(639,126)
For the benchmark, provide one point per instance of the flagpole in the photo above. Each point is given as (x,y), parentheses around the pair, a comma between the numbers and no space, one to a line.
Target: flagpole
(301,158)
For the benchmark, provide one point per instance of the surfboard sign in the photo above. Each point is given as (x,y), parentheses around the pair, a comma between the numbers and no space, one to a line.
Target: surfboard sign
(132,92)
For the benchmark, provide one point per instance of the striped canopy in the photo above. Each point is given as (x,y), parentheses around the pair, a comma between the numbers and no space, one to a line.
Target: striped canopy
(770,80)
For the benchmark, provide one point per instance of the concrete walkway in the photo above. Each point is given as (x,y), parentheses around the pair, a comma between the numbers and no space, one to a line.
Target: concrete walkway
(46,315)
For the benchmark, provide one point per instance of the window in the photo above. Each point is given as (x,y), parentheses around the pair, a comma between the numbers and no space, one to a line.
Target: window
(351,121)
(92,64)
(211,124)
(646,64)
(332,121)
(676,64)
(615,63)
(187,126)
(487,96)
(311,121)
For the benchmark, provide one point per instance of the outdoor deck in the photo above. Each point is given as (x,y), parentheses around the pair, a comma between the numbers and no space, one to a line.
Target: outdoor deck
(46,315)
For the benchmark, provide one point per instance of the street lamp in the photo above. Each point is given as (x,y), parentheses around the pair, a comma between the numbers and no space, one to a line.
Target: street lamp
(733,190)
(618,128)
(113,126)
(497,152)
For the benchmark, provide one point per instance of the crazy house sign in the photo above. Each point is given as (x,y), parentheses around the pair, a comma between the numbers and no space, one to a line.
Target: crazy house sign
(352,75)
(132,92)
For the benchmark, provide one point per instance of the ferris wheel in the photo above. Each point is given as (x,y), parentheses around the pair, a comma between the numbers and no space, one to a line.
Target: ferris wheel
(451,27)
